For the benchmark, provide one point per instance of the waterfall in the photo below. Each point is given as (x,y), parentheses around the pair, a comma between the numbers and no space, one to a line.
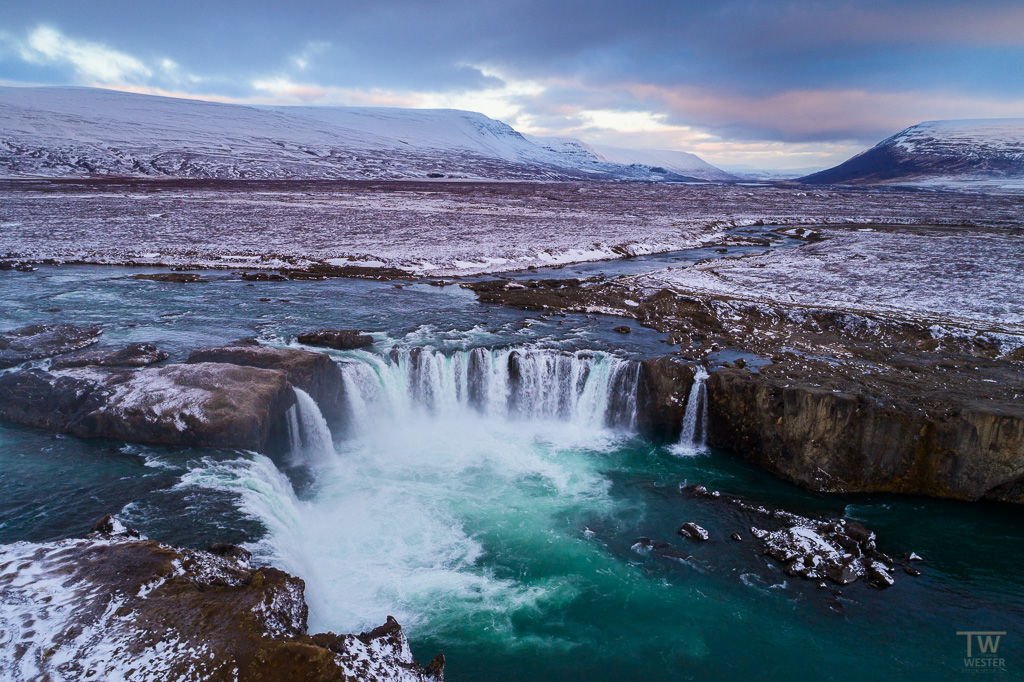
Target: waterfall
(309,437)
(592,389)
(695,421)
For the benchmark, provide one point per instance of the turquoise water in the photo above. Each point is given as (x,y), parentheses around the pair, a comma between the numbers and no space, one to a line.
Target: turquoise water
(501,539)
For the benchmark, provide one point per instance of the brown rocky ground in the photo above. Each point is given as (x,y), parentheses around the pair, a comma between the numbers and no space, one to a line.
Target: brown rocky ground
(887,393)
(114,605)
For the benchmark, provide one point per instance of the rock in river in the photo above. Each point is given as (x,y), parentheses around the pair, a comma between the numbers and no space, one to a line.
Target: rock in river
(693,531)
(315,373)
(44,340)
(339,339)
(133,355)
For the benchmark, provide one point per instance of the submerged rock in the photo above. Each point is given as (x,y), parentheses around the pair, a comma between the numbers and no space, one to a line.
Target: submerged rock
(841,551)
(339,339)
(662,549)
(134,355)
(114,605)
(315,373)
(693,531)
(180,277)
(259,276)
(206,405)
(38,341)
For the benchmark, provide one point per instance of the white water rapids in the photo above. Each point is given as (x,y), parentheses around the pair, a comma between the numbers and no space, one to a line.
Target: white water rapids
(446,458)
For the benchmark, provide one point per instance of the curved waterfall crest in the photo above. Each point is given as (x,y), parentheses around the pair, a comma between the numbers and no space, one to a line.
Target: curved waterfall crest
(589,388)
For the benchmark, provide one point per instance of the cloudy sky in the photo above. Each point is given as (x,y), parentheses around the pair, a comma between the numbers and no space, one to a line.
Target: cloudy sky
(767,84)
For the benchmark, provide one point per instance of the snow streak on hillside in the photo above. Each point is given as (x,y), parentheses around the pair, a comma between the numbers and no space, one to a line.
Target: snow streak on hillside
(56,132)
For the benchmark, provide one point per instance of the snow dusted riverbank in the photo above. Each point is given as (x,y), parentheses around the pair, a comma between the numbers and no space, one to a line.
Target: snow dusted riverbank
(967,277)
(423,228)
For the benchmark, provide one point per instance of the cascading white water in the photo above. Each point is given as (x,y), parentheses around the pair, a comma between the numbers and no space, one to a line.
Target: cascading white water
(693,438)
(309,437)
(591,389)
(448,457)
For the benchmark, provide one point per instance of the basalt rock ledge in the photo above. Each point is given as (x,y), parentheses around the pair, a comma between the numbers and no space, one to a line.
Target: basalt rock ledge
(845,441)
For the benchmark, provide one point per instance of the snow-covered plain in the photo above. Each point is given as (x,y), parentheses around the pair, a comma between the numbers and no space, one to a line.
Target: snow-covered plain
(59,132)
(429,228)
(962,277)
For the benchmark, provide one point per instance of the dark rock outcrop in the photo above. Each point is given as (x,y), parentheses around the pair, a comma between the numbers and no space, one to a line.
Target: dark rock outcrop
(841,550)
(133,355)
(44,340)
(692,531)
(339,339)
(260,276)
(315,373)
(206,404)
(661,397)
(833,441)
(124,607)
(179,277)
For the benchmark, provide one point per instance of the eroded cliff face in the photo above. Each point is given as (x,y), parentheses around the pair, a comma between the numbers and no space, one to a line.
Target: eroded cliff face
(848,441)
(114,605)
(315,373)
(661,397)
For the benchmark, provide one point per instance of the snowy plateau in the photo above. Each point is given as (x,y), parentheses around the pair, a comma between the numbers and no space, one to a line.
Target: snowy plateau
(60,131)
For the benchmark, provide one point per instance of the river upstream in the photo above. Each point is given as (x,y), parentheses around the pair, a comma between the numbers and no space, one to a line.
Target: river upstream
(501,527)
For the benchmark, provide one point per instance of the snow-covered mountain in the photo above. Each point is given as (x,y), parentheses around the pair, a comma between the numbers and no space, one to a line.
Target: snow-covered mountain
(664,162)
(979,151)
(56,132)
(755,174)
(681,163)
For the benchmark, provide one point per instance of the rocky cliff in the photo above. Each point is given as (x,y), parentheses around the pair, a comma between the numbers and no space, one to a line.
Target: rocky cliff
(851,441)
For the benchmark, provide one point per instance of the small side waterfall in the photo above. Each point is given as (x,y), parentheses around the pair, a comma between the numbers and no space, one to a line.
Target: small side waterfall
(309,437)
(695,421)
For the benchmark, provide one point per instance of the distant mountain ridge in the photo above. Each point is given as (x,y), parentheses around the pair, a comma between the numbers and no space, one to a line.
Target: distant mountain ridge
(937,153)
(679,163)
(59,132)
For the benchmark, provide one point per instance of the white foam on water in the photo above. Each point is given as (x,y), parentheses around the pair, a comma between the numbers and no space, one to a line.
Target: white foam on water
(449,459)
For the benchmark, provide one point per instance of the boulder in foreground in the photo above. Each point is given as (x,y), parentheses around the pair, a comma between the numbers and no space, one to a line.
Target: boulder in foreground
(117,606)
